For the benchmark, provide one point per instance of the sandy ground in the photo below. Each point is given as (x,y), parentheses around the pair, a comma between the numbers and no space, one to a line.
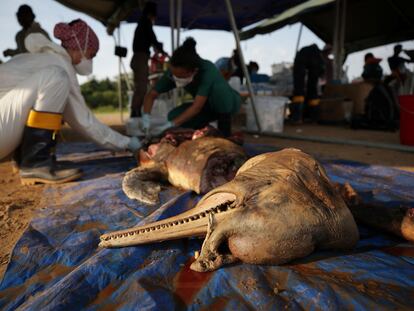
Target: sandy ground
(18,204)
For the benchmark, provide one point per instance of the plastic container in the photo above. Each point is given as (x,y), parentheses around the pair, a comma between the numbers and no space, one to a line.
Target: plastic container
(406,119)
(133,126)
(159,114)
(234,82)
(161,108)
(270,110)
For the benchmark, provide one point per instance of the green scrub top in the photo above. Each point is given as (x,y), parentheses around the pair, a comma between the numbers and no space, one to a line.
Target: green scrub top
(209,82)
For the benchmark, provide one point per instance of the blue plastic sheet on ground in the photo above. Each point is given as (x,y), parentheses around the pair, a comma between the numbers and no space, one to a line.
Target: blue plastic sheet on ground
(56,264)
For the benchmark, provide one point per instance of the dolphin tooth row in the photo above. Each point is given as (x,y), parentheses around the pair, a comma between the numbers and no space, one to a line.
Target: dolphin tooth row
(214,210)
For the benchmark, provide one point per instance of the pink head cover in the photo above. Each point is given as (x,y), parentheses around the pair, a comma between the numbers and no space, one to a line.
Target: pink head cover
(77,35)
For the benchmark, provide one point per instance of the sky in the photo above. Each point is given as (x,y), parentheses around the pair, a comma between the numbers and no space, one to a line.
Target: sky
(266,49)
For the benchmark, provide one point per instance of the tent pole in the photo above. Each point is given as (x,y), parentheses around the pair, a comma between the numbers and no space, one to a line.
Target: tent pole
(339,37)
(119,78)
(343,21)
(335,41)
(242,62)
(179,17)
(299,37)
(178,92)
(342,38)
(172,24)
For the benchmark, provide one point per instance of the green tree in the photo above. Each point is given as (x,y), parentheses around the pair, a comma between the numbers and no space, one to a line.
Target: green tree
(103,93)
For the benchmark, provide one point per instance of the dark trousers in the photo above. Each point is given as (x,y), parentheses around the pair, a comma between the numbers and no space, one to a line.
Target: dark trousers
(203,118)
(139,65)
(301,70)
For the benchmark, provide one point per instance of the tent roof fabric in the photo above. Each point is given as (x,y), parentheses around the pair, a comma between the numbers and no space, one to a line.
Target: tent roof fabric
(369,23)
(196,14)
(290,16)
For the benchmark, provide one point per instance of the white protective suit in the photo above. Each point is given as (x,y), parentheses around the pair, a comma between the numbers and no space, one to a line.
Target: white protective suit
(45,80)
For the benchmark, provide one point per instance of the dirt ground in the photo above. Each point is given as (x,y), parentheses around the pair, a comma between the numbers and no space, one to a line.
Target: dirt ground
(18,204)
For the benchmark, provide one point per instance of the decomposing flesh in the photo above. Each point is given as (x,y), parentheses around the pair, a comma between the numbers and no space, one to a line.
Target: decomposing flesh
(396,220)
(200,165)
(279,207)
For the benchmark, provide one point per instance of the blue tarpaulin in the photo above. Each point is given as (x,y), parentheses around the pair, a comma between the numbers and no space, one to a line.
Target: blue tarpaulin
(56,264)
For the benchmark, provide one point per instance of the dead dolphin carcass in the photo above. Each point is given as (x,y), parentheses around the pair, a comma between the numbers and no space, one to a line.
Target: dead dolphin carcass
(279,207)
(395,220)
(200,165)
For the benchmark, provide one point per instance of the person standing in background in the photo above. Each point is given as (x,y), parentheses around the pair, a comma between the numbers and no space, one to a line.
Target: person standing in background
(372,70)
(328,75)
(144,38)
(238,71)
(399,72)
(396,62)
(309,66)
(25,17)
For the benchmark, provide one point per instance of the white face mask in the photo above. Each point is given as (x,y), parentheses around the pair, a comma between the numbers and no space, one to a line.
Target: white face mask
(181,82)
(85,67)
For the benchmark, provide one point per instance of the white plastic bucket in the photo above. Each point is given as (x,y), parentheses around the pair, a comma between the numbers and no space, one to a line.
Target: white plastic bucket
(133,125)
(234,82)
(161,108)
(270,111)
(159,114)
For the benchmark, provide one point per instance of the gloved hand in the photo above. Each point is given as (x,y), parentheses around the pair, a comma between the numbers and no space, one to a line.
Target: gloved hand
(134,144)
(8,52)
(146,123)
(160,129)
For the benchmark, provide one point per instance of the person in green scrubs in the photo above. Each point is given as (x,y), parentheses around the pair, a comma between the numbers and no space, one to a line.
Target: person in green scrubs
(214,99)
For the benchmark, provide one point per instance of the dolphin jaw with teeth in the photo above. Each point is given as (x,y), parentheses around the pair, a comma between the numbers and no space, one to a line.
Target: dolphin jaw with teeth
(188,224)
(280,206)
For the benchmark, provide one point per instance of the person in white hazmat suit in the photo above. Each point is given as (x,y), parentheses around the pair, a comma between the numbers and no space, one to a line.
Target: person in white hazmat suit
(38,90)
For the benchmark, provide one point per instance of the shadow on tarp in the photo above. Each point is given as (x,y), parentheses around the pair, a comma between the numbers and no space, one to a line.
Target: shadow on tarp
(56,264)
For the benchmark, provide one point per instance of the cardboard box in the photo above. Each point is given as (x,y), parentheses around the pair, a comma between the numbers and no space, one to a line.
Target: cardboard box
(334,110)
(356,92)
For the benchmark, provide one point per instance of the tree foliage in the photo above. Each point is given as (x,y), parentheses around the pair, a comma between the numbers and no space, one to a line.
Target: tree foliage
(103,93)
